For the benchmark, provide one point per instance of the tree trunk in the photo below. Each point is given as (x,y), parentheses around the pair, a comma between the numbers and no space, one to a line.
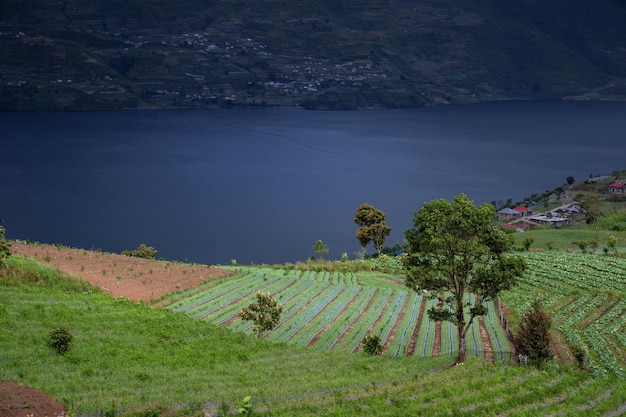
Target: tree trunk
(462,344)
(460,326)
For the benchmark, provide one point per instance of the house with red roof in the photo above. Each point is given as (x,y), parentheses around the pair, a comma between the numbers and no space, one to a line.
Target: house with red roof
(523,211)
(617,188)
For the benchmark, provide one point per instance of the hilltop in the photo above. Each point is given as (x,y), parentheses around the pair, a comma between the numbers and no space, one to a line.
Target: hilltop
(320,54)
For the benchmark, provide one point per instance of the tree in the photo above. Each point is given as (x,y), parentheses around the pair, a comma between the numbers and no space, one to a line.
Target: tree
(265,313)
(611,242)
(570,180)
(591,205)
(527,243)
(372,345)
(533,338)
(142,251)
(454,249)
(320,248)
(373,227)
(5,246)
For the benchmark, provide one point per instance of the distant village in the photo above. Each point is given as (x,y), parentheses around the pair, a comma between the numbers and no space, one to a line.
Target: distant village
(521,218)
(217,72)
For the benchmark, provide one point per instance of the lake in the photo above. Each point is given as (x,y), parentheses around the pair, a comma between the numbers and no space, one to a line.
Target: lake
(261,186)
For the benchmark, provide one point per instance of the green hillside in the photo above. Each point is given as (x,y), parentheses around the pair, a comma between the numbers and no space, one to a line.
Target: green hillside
(128,356)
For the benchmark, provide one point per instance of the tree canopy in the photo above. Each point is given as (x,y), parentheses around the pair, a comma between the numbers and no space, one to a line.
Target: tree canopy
(454,251)
(320,248)
(373,227)
(265,313)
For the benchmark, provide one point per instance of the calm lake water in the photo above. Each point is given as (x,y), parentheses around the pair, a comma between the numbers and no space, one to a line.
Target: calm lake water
(261,186)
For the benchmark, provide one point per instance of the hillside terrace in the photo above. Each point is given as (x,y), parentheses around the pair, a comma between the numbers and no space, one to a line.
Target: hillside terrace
(216,58)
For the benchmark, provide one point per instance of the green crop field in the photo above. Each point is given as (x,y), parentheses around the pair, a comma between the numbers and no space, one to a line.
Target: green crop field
(335,311)
(195,358)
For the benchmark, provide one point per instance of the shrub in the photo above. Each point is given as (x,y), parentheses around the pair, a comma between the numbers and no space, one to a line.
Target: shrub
(528,242)
(372,345)
(60,339)
(142,251)
(580,354)
(533,339)
(5,246)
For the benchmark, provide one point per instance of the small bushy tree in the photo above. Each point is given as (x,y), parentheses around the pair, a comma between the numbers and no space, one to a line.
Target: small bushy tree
(611,242)
(527,243)
(320,248)
(142,251)
(265,313)
(373,227)
(372,345)
(533,338)
(5,246)
(60,339)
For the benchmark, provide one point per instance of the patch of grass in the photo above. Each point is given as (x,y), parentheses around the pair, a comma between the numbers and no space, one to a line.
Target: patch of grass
(21,271)
(562,239)
(125,355)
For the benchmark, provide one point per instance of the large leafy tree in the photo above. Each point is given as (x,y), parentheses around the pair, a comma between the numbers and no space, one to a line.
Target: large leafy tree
(264,314)
(454,251)
(373,227)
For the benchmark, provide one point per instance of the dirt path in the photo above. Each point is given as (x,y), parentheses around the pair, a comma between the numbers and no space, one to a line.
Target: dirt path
(410,350)
(323,330)
(437,342)
(484,338)
(394,329)
(380,317)
(351,326)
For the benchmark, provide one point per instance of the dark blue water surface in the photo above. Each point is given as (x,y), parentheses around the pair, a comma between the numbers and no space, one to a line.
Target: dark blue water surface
(262,186)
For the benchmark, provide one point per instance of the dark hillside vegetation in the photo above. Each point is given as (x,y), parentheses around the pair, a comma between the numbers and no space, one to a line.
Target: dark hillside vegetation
(317,54)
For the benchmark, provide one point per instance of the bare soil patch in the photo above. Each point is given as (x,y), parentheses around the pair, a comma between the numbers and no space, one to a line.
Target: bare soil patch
(20,401)
(122,276)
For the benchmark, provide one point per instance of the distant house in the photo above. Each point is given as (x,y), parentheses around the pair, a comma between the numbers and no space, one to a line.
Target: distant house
(508,213)
(617,188)
(523,211)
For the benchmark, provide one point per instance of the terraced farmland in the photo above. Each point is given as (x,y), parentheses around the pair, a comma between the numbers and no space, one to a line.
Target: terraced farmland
(327,311)
(586,297)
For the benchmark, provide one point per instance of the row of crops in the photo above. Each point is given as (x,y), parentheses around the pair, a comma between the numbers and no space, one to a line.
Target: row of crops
(586,297)
(336,311)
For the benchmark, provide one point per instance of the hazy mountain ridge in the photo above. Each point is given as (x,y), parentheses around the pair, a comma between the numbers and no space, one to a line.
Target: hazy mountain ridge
(94,54)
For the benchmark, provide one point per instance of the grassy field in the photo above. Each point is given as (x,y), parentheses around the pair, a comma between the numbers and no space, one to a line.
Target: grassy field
(139,360)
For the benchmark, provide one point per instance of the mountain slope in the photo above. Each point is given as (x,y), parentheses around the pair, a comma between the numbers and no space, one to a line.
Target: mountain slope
(73,54)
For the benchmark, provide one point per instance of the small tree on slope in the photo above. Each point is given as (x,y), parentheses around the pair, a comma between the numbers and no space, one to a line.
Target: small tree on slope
(373,227)
(454,249)
(5,246)
(265,313)
(533,338)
